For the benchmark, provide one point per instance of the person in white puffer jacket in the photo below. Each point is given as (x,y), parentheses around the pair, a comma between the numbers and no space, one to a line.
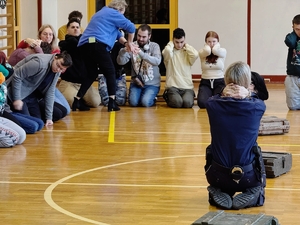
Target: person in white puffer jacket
(212,58)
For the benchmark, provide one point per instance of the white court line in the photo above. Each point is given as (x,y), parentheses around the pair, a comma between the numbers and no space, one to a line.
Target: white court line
(49,190)
(139,185)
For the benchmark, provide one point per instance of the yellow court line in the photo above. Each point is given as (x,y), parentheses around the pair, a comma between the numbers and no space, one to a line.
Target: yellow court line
(111,129)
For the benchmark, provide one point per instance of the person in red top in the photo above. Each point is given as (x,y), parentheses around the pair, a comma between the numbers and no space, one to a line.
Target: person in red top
(47,34)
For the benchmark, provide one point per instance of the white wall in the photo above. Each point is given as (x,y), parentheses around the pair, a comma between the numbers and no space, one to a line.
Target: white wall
(64,7)
(54,12)
(271,21)
(49,13)
(29,19)
(199,17)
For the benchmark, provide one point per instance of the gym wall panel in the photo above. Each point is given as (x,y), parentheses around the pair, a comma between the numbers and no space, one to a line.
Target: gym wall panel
(67,6)
(227,18)
(29,19)
(271,21)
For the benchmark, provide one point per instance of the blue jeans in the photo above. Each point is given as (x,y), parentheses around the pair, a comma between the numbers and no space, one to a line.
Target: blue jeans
(29,123)
(60,99)
(142,96)
(35,108)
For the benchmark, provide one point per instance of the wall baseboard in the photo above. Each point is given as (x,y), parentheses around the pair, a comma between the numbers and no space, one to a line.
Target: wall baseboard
(274,78)
(268,78)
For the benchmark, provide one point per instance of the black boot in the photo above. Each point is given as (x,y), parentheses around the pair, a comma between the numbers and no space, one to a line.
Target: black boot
(219,198)
(112,105)
(79,104)
(248,198)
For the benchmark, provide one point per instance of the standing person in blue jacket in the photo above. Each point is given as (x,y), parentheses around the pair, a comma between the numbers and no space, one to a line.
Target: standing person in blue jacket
(121,87)
(73,77)
(292,80)
(144,67)
(233,160)
(98,39)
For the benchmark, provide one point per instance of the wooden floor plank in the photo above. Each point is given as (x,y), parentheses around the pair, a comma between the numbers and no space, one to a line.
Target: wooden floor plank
(138,166)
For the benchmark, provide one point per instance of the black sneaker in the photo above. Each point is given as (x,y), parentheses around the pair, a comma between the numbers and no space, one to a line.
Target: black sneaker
(246,199)
(112,105)
(219,198)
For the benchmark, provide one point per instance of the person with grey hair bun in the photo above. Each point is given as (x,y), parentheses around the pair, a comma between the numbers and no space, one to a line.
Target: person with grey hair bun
(256,89)
(96,42)
(234,161)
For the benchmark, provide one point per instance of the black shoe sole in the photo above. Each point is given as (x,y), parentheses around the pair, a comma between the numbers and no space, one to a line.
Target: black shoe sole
(247,199)
(218,198)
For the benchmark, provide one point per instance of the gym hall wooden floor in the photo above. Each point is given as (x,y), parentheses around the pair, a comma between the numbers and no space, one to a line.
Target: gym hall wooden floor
(138,166)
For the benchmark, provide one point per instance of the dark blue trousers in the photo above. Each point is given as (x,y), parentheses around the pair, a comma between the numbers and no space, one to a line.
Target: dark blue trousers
(222,178)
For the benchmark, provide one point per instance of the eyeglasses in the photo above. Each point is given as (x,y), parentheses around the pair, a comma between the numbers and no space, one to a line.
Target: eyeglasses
(60,67)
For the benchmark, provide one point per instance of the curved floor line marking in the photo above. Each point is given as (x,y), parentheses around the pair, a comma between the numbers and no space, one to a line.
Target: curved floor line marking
(49,190)
(49,200)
